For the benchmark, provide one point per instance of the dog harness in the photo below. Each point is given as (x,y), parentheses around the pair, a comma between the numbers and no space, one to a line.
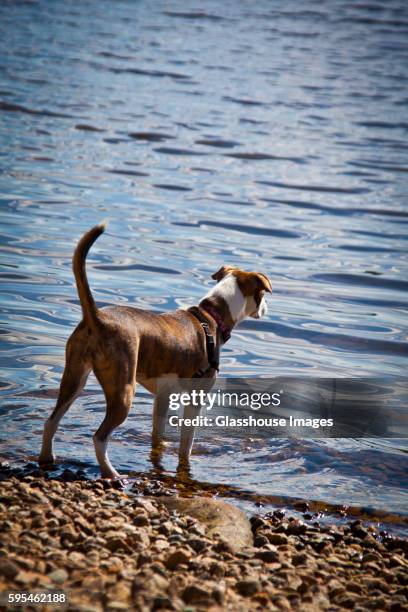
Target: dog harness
(209,340)
(224,329)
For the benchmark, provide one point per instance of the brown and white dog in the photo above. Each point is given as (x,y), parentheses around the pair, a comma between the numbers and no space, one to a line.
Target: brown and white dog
(124,345)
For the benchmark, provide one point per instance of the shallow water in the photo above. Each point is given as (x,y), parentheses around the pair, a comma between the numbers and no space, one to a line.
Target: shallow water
(272,137)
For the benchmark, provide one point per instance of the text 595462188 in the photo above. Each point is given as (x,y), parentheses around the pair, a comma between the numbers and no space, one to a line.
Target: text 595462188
(58,599)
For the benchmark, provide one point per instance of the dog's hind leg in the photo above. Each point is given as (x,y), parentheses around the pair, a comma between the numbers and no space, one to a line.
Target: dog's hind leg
(73,381)
(119,390)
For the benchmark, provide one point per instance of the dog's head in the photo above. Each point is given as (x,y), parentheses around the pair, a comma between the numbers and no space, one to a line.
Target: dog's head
(244,292)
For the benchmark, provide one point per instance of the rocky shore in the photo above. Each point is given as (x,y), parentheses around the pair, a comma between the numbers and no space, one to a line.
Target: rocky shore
(109,550)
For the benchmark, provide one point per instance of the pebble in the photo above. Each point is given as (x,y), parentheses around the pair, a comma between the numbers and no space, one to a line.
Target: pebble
(194,594)
(268,556)
(9,569)
(177,558)
(248,587)
(58,576)
(278,538)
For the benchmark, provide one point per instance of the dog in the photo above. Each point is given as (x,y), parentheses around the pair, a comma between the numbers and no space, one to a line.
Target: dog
(123,346)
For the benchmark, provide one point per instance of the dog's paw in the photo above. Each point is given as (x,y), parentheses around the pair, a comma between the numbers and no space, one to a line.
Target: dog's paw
(117,482)
(122,483)
(45,461)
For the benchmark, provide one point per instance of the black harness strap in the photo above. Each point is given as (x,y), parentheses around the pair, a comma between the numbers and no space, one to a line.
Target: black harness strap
(209,342)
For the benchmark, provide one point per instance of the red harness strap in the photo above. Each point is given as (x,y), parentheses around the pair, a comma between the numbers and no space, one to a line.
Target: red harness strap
(225,330)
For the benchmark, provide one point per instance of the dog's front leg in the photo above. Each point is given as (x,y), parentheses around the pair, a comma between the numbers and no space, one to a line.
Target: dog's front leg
(160,410)
(187,434)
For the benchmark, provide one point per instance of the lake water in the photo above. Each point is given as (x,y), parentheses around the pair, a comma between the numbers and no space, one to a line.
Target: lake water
(271,136)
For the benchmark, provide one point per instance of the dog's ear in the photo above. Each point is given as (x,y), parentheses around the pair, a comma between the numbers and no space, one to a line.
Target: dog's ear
(223,271)
(262,281)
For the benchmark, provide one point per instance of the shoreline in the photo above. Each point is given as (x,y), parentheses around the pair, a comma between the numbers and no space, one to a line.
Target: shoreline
(308,510)
(110,550)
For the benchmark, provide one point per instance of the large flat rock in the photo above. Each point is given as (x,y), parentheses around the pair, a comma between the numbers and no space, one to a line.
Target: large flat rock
(218,517)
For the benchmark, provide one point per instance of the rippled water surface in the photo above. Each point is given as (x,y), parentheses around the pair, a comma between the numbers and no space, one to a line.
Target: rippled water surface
(272,136)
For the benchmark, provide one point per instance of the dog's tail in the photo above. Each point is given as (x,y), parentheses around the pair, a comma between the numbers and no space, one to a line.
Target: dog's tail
(88,305)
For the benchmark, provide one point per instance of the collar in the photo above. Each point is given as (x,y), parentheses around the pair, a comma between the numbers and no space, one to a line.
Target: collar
(225,330)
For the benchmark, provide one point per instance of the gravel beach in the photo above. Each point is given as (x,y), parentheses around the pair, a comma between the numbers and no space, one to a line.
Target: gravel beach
(109,550)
